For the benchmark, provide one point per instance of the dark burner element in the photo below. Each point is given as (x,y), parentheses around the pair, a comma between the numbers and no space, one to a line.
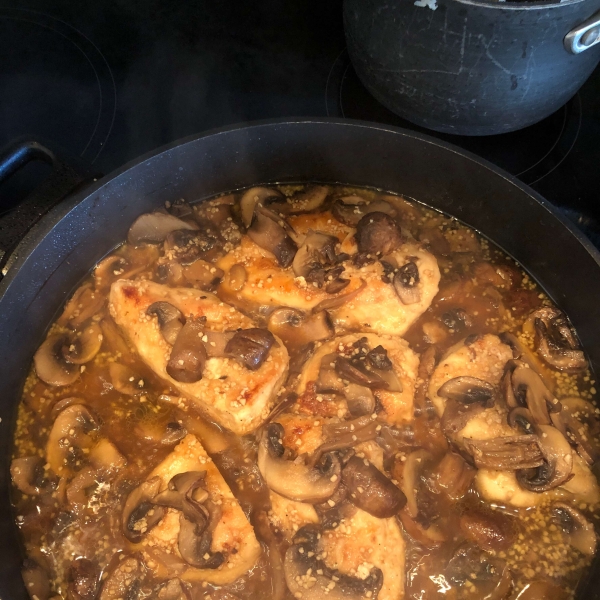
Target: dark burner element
(530,154)
(55,83)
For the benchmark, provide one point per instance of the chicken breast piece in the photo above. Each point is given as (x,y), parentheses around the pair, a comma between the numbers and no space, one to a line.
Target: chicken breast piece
(502,487)
(397,407)
(228,392)
(485,359)
(287,516)
(233,534)
(362,542)
(377,308)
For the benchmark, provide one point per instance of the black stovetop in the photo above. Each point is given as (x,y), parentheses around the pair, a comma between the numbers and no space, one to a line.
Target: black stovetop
(109,80)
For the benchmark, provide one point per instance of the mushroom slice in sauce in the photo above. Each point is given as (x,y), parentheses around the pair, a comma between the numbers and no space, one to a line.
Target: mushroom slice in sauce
(140,514)
(555,341)
(251,347)
(353,373)
(406,283)
(188,355)
(413,467)
(528,384)
(50,364)
(577,421)
(83,305)
(125,380)
(508,453)
(360,400)
(307,576)
(580,531)
(294,479)
(29,476)
(186,492)
(271,236)
(378,234)
(467,390)
(296,328)
(170,319)
(318,249)
(124,580)
(256,196)
(370,490)
(153,228)
(557,466)
(349,210)
(83,580)
(195,540)
(69,437)
(308,200)
(82,347)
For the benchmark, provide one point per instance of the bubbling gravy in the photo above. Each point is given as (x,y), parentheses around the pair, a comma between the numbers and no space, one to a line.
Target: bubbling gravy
(312,392)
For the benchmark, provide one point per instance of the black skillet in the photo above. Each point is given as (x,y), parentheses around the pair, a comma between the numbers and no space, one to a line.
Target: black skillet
(72,237)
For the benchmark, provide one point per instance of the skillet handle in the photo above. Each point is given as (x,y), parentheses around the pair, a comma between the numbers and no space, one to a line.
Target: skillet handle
(63,180)
(584,36)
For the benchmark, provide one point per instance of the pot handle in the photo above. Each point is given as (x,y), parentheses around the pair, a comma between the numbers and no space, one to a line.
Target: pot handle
(63,180)
(584,36)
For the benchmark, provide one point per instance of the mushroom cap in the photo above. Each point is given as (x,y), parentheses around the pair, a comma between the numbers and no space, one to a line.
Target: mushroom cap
(153,228)
(296,328)
(378,234)
(292,479)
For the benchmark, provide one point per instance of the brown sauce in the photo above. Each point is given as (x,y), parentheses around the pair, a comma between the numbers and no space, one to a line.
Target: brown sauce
(458,545)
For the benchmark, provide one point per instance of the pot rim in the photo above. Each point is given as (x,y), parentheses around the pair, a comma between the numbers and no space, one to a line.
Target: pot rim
(504,5)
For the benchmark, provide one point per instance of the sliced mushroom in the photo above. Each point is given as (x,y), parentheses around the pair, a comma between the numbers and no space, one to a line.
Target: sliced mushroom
(125,380)
(188,356)
(203,274)
(370,490)
(308,200)
(173,590)
(124,580)
(83,305)
(508,453)
(194,541)
(378,234)
(555,341)
(254,197)
(153,228)
(406,283)
(331,303)
(318,249)
(528,385)
(215,342)
(237,277)
(82,347)
(83,580)
(457,319)
(140,514)
(350,209)
(557,466)
(578,422)
(329,380)
(251,347)
(170,319)
(296,328)
(185,246)
(430,537)
(187,493)
(69,437)
(294,479)
(36,580)
(360,400)
(346,435)
(271,236)
(452,476)
(489,530)
(581,533)
(358,373)
(29,476)
(414,465)
(457,415)
(521,418)
(307,576)
(423,405)
(50,364)
(467,390)
(378,357)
